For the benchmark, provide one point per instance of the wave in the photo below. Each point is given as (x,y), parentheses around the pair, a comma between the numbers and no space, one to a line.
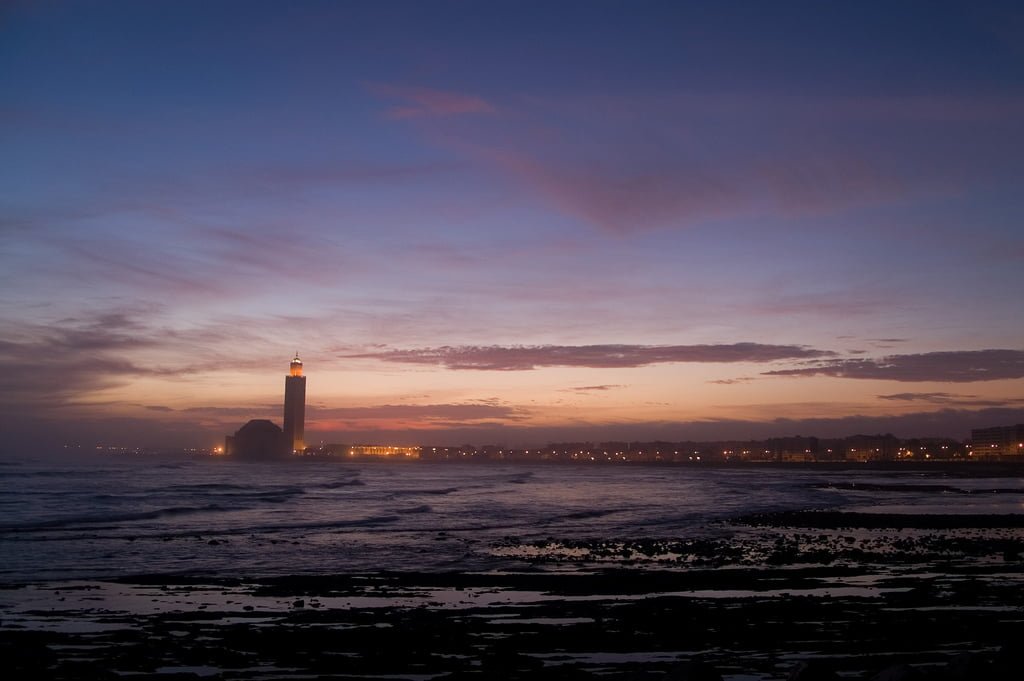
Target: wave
(281,494)
(85,522)
(341,483)
(207,486)
(60,473)
(595,513)
(422,508)
(914,487)
(327,524)
(276,527)
(440,491)
(204,532)
(232,493)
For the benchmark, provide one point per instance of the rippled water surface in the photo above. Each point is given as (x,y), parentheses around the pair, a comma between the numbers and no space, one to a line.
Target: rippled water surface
(106,518)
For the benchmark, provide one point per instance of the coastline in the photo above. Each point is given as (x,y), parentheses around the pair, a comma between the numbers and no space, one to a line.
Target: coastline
(852,594)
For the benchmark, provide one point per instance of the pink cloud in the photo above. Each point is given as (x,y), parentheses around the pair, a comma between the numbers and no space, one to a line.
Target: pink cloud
(626,164)
(421,102)
(633,189)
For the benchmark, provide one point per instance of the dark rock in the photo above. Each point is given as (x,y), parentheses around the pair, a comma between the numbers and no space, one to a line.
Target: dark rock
(968,667)
(1008,663)
(813,670)
(26,651)
(694,670)
(900,672)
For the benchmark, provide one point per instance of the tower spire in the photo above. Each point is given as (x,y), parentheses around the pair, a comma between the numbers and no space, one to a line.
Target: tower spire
(295,406)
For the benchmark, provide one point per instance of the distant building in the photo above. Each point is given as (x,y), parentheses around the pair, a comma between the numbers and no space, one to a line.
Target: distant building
(257,440)
(371,451)
(871,447)
(794,448)
(261,439)
(295,407)
(998,443)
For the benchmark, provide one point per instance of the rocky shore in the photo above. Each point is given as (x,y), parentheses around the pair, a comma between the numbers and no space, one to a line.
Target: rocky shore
(784,596)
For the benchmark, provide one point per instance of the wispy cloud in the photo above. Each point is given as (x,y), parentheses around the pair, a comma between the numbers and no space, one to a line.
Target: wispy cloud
(933,398)
(523,358)
(52,366)
(232,412)
(950,399)
(425,413)
(422,102)
(593,388)
(644,161)
(834,304)
(963,366)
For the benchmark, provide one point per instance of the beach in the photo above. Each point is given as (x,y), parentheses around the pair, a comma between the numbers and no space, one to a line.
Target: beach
(748,596)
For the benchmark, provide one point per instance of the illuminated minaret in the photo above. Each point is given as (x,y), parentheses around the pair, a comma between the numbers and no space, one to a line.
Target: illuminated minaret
(295,406)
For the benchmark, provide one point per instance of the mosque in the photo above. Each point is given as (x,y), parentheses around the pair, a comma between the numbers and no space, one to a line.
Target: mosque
(264,440)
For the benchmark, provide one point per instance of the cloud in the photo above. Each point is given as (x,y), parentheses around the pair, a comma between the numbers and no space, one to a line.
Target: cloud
(732,381)
(354,423)
(593,388)
(949,399)
(934,398)
(421,102)
(624,163)
(217,231)
(962,366)
(836,304)
(523,357)
(470,411)
(191,259)
(622,191)
(52,366)
(233,411)
(61,364)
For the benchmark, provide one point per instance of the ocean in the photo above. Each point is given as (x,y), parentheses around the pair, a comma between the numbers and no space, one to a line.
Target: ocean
(106,518)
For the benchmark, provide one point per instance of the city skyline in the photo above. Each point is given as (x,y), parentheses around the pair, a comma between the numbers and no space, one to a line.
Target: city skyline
(510,223)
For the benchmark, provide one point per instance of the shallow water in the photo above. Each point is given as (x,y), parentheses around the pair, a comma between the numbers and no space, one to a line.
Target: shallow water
(106,518)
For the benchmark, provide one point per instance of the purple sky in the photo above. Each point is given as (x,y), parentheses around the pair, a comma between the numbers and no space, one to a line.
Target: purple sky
(510,222)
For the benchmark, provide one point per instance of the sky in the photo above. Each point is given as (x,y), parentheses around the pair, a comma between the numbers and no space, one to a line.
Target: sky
(510,222)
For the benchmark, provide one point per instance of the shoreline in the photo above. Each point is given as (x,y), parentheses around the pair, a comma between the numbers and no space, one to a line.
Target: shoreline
(779,591)
(747,624)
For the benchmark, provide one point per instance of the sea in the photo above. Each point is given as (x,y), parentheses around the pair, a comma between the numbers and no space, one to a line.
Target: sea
(108,518)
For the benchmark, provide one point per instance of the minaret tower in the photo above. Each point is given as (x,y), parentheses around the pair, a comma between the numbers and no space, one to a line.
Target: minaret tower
(295,407)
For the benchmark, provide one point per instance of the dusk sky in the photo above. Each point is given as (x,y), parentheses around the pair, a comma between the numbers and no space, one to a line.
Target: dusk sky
(510,222)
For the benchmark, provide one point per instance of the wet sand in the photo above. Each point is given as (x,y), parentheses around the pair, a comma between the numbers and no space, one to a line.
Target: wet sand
(857,593)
